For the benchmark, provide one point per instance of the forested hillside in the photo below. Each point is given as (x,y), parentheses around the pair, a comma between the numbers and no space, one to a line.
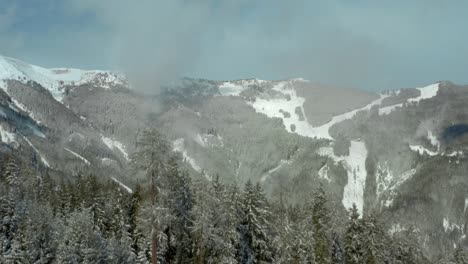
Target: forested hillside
(91,220)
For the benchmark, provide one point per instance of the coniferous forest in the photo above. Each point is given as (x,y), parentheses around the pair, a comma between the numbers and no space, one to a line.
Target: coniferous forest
(170,218)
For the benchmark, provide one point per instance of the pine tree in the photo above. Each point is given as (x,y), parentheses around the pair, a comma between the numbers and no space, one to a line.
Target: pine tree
(373,240)
(202,227)
(11,173)
(224,223)
(181,202)
(254,226)
(320,220)
(337,254)
(151,158)
(353,238)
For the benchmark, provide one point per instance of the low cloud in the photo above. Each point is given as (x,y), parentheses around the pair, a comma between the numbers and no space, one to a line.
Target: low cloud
(360,44)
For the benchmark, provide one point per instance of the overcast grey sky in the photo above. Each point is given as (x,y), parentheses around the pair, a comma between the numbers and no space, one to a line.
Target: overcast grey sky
(366,44)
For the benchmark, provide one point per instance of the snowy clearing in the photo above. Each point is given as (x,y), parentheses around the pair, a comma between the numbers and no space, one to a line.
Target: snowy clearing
(426,93)
(355,165)
(274,108)
(78,156)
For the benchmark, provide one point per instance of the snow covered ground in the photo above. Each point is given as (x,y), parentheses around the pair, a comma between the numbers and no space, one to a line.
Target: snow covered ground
(44,161)
(273,107)
(425,93)
(78,156)
(235,88)
(179,146)
(122,185)
(114,144)
(54,79)
(7,137)
(355,164)
(323,173)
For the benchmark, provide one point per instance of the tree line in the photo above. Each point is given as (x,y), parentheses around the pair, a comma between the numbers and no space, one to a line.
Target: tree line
(171,218)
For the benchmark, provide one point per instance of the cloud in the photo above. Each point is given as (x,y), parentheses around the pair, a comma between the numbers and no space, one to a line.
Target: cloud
(362,44)
(154,42)
(9,40)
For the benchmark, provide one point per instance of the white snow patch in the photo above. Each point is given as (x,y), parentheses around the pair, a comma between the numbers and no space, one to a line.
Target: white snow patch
(433,139)
(323,173)
(391,190)
(354,190)
(114,144)
(450,226)
(229,88)
(422,150)
(273,108)
(384,178)
(426,93)
(7,137)
(396,228)
(78,156)
(44,161)
(388,109)
(355,164)
(179,146)
(122,185)
(455,154)
(235,88)
(466,205)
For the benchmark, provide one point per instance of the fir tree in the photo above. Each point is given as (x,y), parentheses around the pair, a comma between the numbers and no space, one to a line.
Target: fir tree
(353,238)
(320,220)
(254,226)
(151,158)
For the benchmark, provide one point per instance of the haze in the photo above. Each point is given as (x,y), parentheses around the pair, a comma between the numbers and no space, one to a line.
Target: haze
(358,44)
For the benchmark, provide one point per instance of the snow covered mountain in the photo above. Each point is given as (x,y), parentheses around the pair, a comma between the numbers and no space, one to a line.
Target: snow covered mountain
(400,154)
(55,80)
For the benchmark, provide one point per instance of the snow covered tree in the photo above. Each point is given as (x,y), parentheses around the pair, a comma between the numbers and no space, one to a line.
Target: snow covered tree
(337,254)
(180,204)
(79,243)
(320,221)
(151,157)
(254,226)
(373,239)
(11,173)
(353,238)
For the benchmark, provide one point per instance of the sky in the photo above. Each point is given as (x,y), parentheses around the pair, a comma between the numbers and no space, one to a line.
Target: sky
(365,44)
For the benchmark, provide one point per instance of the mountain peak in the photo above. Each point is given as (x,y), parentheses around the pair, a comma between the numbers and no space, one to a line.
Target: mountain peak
(55,79)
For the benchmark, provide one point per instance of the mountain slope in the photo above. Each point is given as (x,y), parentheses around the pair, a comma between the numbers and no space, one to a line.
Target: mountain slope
(400,154)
